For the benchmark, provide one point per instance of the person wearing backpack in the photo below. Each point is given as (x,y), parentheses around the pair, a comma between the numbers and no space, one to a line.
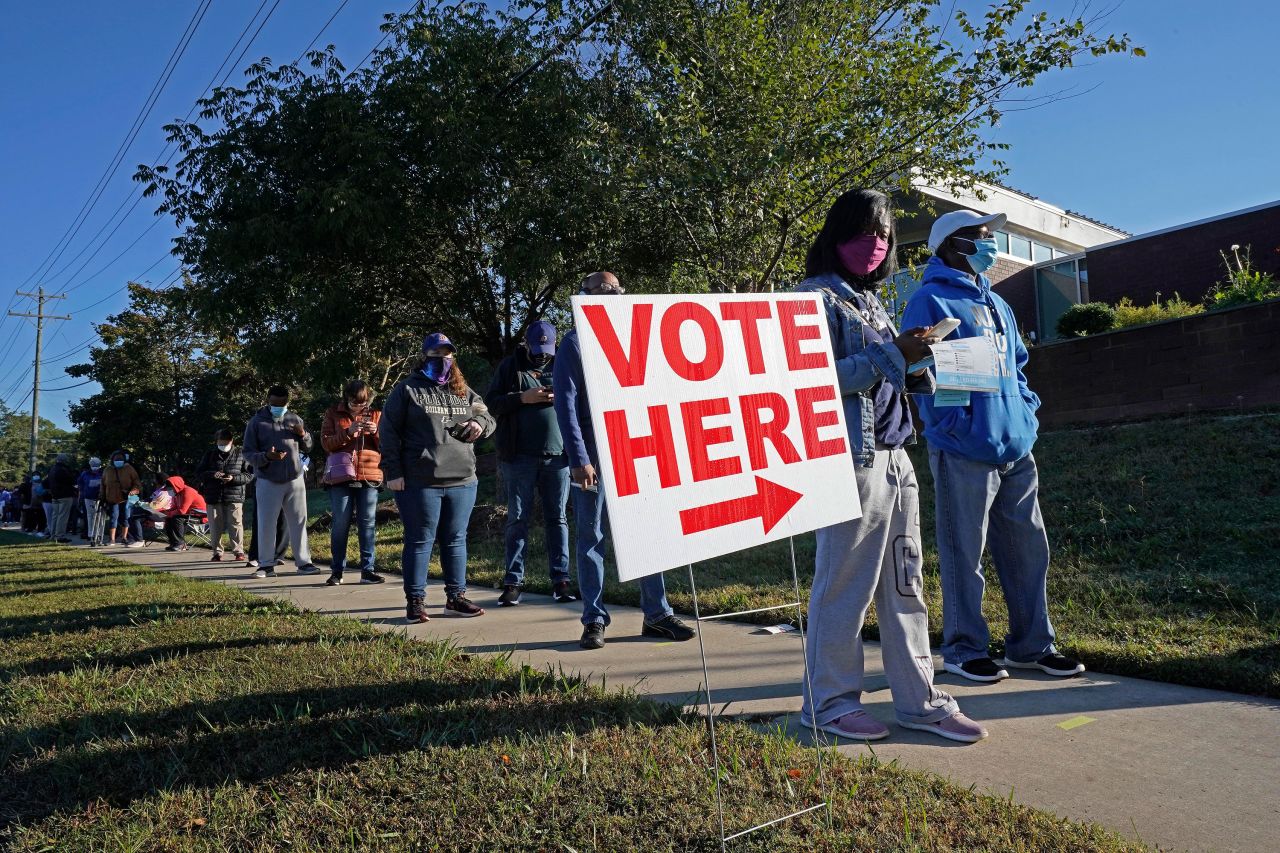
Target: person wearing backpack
(352,477)
(222,475)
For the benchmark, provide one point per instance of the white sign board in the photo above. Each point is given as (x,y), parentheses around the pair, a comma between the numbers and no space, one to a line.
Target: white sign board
(718,423)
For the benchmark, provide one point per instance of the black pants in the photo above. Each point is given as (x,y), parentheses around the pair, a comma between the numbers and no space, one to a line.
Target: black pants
(176,529)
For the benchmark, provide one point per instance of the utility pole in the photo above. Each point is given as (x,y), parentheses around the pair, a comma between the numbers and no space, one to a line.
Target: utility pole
(41,298)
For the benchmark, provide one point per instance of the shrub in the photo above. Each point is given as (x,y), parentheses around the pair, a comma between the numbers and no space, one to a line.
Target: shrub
(1128,314)
(1087,319)
(1244,284)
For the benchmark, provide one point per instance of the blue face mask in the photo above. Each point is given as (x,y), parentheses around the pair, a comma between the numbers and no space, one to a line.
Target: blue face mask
(984,258)
(438,368)
(119,463)
(277,412)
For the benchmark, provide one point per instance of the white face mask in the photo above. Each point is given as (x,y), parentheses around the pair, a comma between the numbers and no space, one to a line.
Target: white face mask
(224,448)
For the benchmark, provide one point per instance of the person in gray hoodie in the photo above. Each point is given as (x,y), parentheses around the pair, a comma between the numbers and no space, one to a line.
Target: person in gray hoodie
(427,435)
(274,442)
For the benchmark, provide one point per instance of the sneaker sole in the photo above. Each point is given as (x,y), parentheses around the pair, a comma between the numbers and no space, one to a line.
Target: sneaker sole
(981,679)
(332,582)
(508,604)
(1060,673)
(659,634)
(832,730)
(925,727)
(369,582)
(464,615)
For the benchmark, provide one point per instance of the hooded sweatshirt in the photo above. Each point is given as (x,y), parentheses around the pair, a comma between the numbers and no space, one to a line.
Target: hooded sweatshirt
(996,427)
(414,438)
(265,432)
(186,500)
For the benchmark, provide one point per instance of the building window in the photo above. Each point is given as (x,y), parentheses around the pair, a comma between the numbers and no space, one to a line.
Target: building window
(1020,247)
(1041,252)
(1002,242)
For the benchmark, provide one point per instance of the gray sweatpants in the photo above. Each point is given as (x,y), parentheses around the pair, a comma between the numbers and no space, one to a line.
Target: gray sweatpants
(875,557)
(291,499)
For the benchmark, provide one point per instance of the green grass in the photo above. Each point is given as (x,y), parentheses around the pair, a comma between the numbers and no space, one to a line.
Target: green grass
(143,711)
(1164,557)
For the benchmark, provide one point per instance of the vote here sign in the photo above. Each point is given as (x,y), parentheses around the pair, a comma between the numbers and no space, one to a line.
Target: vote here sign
(718,421)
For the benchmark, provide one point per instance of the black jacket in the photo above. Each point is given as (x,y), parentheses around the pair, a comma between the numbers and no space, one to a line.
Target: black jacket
(514,375)
(215,491)
(61,482)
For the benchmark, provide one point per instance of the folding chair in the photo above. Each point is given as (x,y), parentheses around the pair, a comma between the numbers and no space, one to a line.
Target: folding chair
(198,528)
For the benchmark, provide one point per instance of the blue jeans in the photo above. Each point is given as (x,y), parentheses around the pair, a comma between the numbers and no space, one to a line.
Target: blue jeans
(430,513)
(589,515)
(347,502)
(550,477)
(997,506)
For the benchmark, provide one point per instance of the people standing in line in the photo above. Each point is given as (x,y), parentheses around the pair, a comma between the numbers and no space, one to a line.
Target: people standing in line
(427,435)
(223,474)
(876,557)
(573,414)
(89,489)
(352,477)
(61,485)
(532,460)
(184,503)
(274,442)
(120,481)
(986,484)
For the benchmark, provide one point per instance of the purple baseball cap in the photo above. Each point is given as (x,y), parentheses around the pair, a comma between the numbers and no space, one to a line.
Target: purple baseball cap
(541,338)
(437,339)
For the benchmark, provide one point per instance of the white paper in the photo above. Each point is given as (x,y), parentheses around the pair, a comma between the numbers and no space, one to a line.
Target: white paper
(967,364)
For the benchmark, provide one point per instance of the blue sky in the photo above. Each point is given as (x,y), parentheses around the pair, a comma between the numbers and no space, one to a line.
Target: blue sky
(1185,133)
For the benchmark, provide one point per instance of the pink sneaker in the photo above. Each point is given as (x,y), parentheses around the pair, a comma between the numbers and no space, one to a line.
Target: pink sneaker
(956,727)
(857,725)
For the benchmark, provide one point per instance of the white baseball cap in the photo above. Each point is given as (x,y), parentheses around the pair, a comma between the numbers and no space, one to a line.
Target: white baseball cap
(949,223)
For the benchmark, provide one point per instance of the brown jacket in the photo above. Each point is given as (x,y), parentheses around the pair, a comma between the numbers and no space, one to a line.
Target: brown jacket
(119,483)
(334,437)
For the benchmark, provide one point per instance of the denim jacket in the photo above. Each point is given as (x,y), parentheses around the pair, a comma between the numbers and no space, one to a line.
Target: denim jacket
(859,367)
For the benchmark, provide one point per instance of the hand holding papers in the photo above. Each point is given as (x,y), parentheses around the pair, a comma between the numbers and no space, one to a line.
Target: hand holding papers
(967,364)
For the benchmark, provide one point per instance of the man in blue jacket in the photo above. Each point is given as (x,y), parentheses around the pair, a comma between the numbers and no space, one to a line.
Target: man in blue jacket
(573,413)
(985,478)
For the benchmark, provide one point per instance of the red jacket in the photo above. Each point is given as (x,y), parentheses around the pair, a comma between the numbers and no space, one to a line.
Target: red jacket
(186,500)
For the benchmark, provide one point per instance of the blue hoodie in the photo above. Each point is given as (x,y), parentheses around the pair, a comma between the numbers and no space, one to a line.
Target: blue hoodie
(996,427)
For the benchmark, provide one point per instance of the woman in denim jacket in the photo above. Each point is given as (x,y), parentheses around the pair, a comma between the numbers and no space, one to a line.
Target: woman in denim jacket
(875,557)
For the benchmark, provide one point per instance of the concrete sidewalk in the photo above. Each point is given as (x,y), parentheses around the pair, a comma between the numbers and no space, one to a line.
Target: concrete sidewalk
(1179,767)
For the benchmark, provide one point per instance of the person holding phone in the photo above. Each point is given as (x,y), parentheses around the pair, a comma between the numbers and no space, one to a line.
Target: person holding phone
(427,436)
(223,474)
(876,557)
(986,481)
(352,478)
(573,413)
(532,460)
(274,442)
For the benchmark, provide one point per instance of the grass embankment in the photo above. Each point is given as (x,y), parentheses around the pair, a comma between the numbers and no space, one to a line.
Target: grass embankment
(1164,559)
(143,711)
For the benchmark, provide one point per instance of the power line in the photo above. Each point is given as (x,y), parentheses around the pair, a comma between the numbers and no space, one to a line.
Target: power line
(132,134)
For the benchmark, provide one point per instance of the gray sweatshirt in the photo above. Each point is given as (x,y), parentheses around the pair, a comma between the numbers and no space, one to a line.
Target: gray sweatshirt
(264,433)
(414,433)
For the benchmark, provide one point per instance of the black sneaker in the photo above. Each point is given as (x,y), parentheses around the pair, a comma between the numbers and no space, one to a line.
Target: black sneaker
(978,669)
(668,628)
(563,593)
(463,606)
(413,610)
(1054,664)
(371,577)
(309,569)
(592,636)
(510,595)
(334,580)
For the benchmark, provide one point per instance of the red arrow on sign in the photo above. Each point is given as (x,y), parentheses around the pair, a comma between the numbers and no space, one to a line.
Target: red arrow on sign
(769,504)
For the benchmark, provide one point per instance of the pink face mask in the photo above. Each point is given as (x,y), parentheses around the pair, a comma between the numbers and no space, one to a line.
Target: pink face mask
(862,254)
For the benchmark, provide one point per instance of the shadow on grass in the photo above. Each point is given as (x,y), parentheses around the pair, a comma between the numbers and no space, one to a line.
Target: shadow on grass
(115,615)
(120,757)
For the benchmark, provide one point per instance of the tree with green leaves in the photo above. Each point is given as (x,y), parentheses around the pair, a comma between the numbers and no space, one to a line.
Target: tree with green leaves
(167,385)
(15,445)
